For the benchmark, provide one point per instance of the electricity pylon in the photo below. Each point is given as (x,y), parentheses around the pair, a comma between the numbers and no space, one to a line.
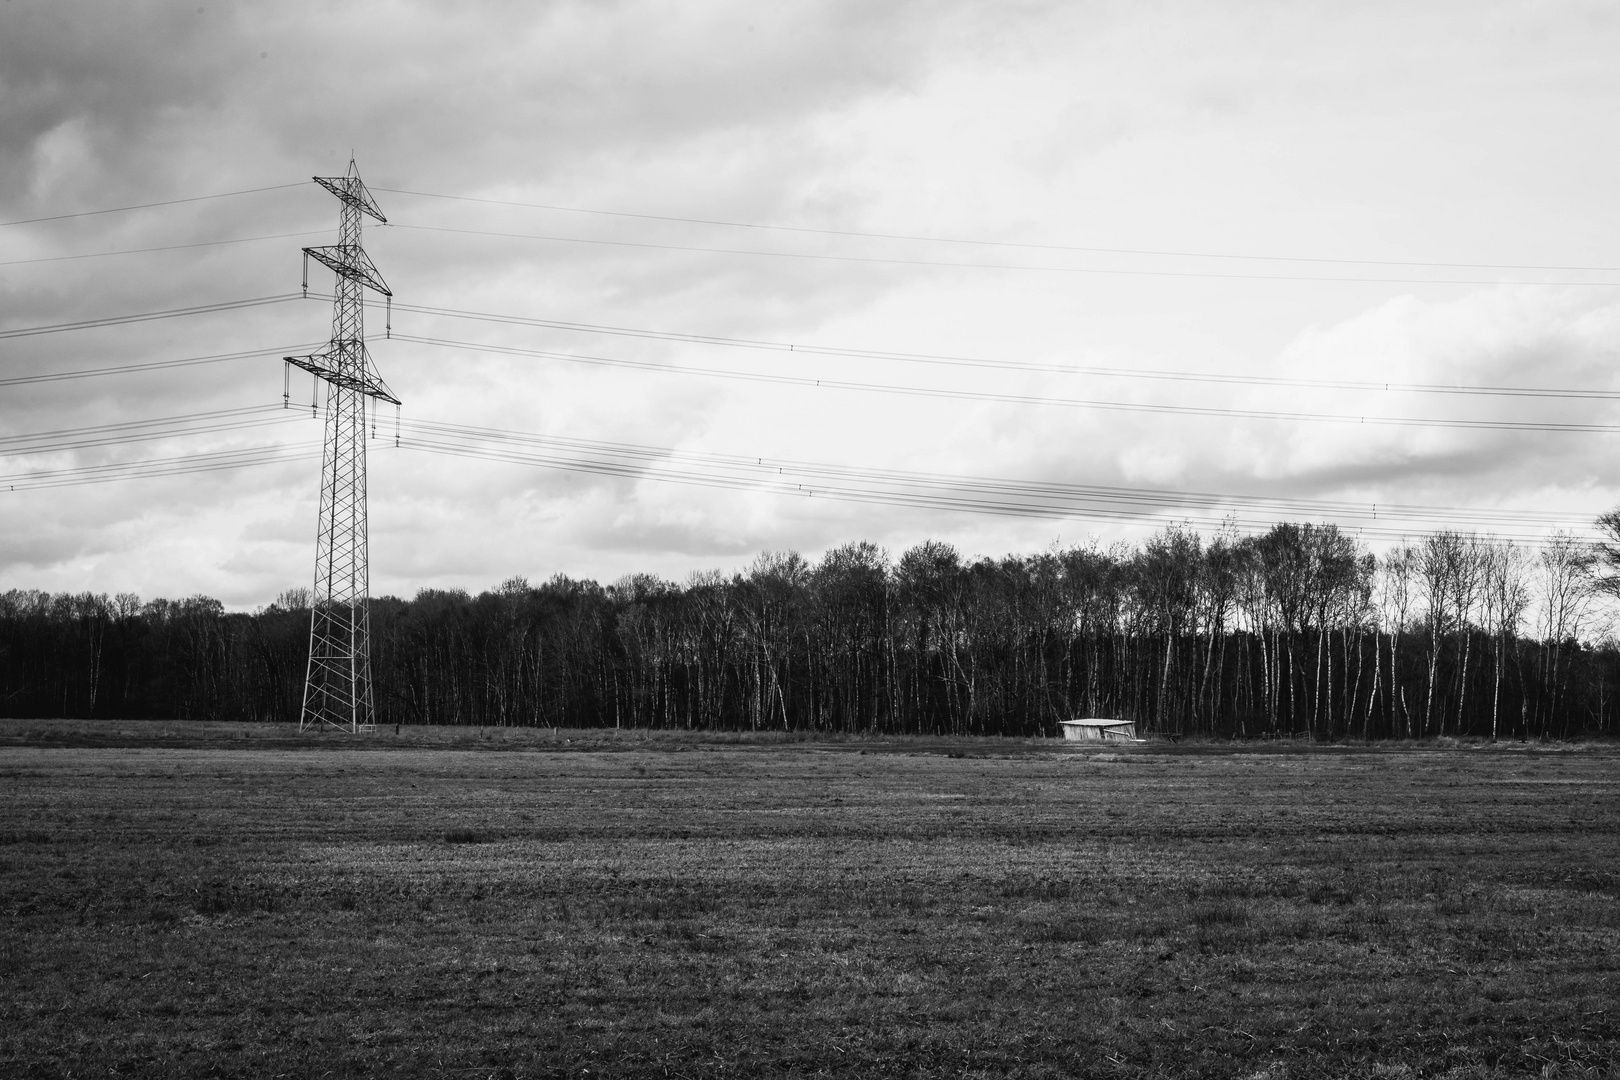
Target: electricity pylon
(337,687)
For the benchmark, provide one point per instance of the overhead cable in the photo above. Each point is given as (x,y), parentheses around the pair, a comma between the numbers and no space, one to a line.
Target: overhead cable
(162,427)
(876,260)
(976,501)
(165,247)
(1016,365)
(178,465)
(154,365)
(792,477)
(1168,253)
(808,382)
(148,316)
(800,470)
(930,359)
(150,205)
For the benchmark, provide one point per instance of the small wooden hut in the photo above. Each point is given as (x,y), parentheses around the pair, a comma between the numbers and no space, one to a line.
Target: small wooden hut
(1096,729)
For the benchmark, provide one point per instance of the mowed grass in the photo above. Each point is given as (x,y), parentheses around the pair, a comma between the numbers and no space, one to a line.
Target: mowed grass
(218,900)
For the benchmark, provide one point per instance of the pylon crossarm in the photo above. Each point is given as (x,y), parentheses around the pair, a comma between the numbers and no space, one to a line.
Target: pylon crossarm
(368,383)
(379,388)
(352,190)
(351,261)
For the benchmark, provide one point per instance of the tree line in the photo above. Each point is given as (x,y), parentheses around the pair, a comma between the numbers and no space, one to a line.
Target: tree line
(1299,631)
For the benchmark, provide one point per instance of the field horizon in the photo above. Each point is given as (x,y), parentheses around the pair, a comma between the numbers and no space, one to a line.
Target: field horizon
(64,732)
(195,898)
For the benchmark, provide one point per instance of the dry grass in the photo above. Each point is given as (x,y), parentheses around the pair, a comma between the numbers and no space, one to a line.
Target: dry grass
(181,900)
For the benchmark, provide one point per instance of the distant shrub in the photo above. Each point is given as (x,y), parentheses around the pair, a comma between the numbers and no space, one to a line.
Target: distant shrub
(465,836)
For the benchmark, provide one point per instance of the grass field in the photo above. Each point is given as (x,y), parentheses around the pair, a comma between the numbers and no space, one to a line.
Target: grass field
(226,900)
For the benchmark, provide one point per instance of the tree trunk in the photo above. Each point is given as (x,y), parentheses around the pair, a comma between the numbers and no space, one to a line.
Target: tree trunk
(1316,700)
(1496,693)
(1434,664)
(1462,689)
(1372,696)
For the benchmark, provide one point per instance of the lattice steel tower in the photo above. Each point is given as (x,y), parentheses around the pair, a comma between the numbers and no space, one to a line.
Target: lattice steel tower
(337,688)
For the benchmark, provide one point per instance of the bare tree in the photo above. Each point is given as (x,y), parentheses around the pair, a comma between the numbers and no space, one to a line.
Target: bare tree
(1467,592)
(1606,555)
(774,591)
(1438,560)
(1165,573)
(1506,595)
(1217,587)
(1396,592)
(1567,569)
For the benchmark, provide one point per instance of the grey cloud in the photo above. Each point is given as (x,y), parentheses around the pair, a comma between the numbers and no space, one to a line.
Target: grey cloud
(684,110)
(428,94)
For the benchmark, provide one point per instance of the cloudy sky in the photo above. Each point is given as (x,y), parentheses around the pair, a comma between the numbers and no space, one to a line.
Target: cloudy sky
(1048,272)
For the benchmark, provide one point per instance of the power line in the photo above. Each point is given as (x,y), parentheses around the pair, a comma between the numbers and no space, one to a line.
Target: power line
(773,466)
(1107,271)
(935,359)
(147,250)
(130,431)
(179,418)
(923,491)
(1016,365)
(812,231)
(931,359)
(1007,243)
(847,483)
(150,205)
(155,365)
(965,493)
(179,465)
(807,382)
(149,316)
